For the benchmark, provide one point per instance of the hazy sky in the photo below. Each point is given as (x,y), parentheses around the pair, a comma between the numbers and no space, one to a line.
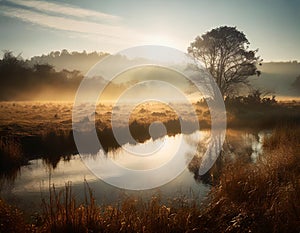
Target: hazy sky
(36,27)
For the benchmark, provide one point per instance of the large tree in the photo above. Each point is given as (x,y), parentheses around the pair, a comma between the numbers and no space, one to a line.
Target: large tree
(225,53)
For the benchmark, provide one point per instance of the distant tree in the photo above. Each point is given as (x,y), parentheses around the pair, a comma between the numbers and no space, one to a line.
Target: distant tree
(43,68)
(20,80)
(64,52)
(56,54)
(255,98)
(10,59)
(296,83)
(81,61)
(225,53)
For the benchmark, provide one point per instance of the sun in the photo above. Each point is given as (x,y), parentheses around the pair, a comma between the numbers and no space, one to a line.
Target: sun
(159,39)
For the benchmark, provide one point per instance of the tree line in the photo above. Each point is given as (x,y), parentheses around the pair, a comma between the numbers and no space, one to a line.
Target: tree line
(19,80)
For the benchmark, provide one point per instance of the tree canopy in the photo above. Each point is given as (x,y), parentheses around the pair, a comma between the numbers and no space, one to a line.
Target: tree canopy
(225,53)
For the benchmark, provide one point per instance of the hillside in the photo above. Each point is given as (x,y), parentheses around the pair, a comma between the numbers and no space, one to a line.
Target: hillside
(276,77)
(81,61)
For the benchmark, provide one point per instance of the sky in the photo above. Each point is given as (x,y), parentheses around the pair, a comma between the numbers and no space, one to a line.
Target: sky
(35,27)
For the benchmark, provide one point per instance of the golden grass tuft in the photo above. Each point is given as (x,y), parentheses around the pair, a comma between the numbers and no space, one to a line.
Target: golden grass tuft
(11,158)
(62,214)
(12,219)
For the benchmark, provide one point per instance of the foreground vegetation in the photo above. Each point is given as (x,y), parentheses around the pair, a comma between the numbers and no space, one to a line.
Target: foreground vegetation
(261,196)
(248,197)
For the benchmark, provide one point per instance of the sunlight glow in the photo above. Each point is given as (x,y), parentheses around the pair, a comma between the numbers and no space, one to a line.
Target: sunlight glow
(160,39)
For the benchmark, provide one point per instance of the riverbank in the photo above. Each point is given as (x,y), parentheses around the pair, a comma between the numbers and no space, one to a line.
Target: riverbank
(256,197)
(31,130)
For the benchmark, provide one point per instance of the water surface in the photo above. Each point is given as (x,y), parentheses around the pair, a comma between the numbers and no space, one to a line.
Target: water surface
(33,180)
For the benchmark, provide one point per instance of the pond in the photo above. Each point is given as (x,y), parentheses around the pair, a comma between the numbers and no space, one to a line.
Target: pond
(32,182)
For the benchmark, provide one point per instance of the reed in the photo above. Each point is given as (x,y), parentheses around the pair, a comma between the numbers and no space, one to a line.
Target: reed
(62,213)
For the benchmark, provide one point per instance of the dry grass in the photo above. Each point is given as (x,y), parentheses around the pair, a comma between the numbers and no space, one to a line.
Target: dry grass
(262,196)
(286,134)
(12,219)
(63,214)
(38,118)
(10,150)
(11,158)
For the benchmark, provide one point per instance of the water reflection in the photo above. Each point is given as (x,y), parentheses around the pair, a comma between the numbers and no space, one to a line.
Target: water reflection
(257,144)
(125,167)
(246,144)
(33,179)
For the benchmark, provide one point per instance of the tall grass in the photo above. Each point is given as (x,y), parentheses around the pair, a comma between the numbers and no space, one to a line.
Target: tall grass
(12,219)
(285,134)
(11,158)
(261,196)
(62,213)
(10,151)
